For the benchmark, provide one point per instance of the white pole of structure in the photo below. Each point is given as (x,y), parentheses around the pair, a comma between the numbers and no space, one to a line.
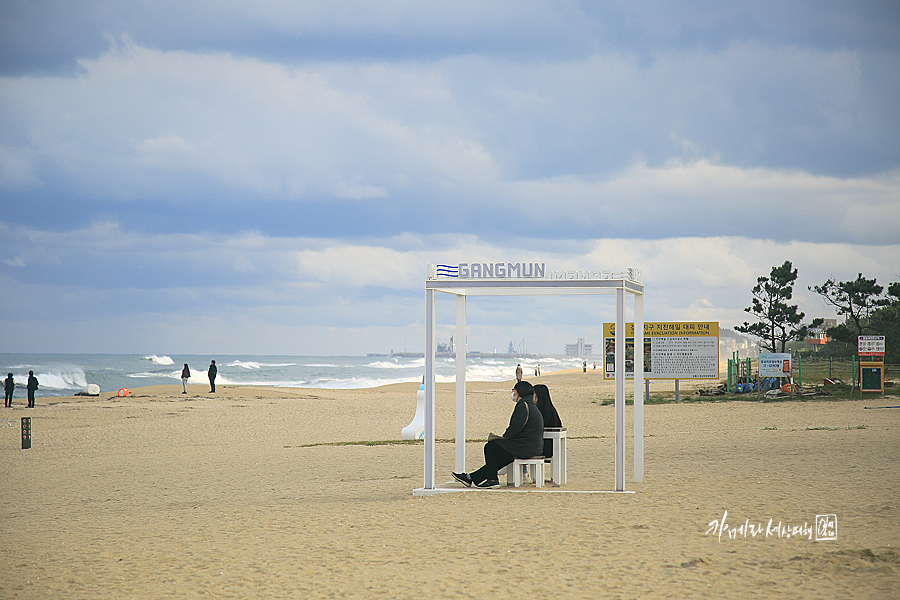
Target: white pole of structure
(638,387)
(429,389)
(620,389)
(460,384)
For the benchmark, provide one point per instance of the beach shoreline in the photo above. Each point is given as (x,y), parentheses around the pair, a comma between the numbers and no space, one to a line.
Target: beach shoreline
(275,492)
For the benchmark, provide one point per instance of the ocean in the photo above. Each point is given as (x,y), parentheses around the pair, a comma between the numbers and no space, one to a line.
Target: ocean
(68,374)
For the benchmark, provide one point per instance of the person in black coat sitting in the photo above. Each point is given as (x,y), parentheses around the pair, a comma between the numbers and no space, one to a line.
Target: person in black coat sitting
(548,412)
(522,439)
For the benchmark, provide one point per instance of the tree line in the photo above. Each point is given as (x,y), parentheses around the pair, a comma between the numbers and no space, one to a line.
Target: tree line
(869,310)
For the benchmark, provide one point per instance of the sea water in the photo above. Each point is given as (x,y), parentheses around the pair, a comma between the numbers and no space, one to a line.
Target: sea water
(67,374)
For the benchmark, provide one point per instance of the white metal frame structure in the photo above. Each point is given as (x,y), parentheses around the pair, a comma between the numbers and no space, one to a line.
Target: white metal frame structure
(462,288)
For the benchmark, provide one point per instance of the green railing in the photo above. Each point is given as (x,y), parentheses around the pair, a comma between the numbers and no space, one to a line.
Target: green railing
(813,369)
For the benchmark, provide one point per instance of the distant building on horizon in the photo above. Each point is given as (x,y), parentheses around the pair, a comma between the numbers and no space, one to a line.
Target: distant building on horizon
(579,349)
(445,348)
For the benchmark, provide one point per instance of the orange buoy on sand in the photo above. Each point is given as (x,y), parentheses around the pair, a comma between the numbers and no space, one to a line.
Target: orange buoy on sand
(122,393)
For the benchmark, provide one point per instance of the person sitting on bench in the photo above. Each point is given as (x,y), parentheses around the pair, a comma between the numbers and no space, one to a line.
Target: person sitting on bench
(548,411)
(523,438)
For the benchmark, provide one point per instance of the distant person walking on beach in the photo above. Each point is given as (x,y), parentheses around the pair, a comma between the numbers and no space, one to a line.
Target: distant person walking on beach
(584,366)
(185,375)
(212,376)
(518,372)
(32,388)
(9,384)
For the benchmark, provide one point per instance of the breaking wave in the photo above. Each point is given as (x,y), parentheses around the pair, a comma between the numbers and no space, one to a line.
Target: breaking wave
(61,378)
(159,360)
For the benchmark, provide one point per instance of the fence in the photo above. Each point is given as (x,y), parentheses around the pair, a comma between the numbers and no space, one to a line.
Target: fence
(811,369)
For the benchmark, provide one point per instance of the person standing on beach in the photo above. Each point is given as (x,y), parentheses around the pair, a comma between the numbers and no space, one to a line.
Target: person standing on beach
(185,375)
(212,376)
(32,388)
(9,385)
(519,372)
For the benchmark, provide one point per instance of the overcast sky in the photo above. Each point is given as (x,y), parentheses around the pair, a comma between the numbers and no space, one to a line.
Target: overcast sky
(272,177)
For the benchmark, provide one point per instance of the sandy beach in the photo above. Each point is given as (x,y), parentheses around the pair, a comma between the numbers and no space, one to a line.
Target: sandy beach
(308,493)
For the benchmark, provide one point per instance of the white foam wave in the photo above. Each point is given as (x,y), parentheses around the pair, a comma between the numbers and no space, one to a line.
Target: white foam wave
(160,360)
(197,377)
(489,373)
(390,365)
(254,365)
(245,364)
(142,375)
(62,379)
(365,382)
(251,383)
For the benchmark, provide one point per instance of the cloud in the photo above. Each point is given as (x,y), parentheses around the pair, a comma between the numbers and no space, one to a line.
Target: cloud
(465,144)
(48,35)
(702,198)
(17,169)
(41,35)
(355,191)
(357,266)
(273,285)
(15,262)
(140,123)
(291,167)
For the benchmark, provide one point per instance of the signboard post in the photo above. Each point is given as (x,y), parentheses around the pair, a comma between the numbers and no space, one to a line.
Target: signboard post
(871,345)
(871,363)
(26,433)
(776,364)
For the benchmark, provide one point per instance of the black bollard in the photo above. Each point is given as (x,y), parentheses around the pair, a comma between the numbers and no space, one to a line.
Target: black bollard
(26,433)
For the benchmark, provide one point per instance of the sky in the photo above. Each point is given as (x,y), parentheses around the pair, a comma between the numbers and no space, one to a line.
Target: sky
(273,177)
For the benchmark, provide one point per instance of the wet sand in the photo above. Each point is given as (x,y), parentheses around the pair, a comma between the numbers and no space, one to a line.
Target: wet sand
(307,493)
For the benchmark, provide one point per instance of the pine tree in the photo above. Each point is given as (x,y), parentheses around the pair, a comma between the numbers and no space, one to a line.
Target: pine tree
(778,322)
(856,299)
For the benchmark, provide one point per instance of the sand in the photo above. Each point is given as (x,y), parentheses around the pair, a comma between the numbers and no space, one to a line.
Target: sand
(269,493)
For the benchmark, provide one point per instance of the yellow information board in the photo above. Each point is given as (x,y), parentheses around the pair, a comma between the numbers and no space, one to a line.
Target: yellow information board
(672,350)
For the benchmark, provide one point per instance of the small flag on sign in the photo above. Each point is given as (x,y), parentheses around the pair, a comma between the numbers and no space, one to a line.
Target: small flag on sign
(448,271)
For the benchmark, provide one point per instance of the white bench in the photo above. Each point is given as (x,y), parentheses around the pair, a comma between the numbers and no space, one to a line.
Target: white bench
(557,462)
(518,466)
